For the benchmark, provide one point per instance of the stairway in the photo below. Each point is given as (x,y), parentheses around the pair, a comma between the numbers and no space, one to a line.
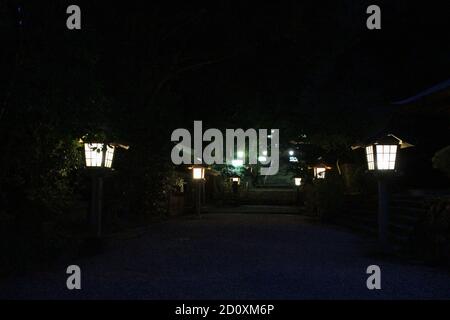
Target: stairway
(360,214)
(405,213)
(280,196)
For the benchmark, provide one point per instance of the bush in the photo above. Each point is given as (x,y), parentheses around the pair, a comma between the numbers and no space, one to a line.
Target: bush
(310,198)
(324,198)
(441,160)
(432,236)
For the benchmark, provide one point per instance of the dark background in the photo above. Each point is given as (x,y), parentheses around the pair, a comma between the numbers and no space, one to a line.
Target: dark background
(271,62)
(138,70)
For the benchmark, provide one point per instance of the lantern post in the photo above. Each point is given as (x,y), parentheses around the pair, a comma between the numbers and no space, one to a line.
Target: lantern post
(382,156)
(298,183)
(98,157)
(198,176)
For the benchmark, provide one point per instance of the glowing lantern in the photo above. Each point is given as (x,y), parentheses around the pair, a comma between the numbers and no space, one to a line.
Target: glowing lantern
(381,156)
(98,155)
(236,180)
(319,172)
(381,153)
(198,173)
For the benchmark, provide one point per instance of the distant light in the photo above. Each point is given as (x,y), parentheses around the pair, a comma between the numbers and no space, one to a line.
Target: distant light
(269,136)
(236,180)
(237,162)
(198,173)
(293,159)
(264,153)
(298,181)
(262,159)
(240,154)
(319,172)
(291,152)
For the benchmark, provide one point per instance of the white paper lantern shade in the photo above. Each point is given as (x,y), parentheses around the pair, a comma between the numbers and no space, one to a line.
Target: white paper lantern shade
(370,158)
(319,172)
(98,155)
(198,173)
(381,157)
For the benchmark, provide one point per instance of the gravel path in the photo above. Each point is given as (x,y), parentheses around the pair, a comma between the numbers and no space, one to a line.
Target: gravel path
(234,256)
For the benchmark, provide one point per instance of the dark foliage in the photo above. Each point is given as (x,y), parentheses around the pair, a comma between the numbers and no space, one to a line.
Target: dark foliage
(135,73)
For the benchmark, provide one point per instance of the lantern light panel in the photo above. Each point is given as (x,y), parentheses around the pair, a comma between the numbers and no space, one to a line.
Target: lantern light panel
(319,172)
(298,181)
(236,180)
(383,158)
(262,158)
(198,173)
(370,158)
(94,153)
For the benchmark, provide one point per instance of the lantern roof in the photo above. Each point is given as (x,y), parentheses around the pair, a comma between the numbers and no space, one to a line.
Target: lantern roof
(112,144)
(208,168)
(388,139)
(320,163)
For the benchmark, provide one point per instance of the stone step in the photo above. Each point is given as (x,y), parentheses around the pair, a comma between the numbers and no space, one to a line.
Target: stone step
(267,202)
(400,229)
(398,238)
(278,196)
(252,209)
(411,212)
(359,212)
(407,202)
(404,218)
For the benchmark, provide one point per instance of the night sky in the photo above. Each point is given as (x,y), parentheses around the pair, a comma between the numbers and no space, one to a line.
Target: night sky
(238,63)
